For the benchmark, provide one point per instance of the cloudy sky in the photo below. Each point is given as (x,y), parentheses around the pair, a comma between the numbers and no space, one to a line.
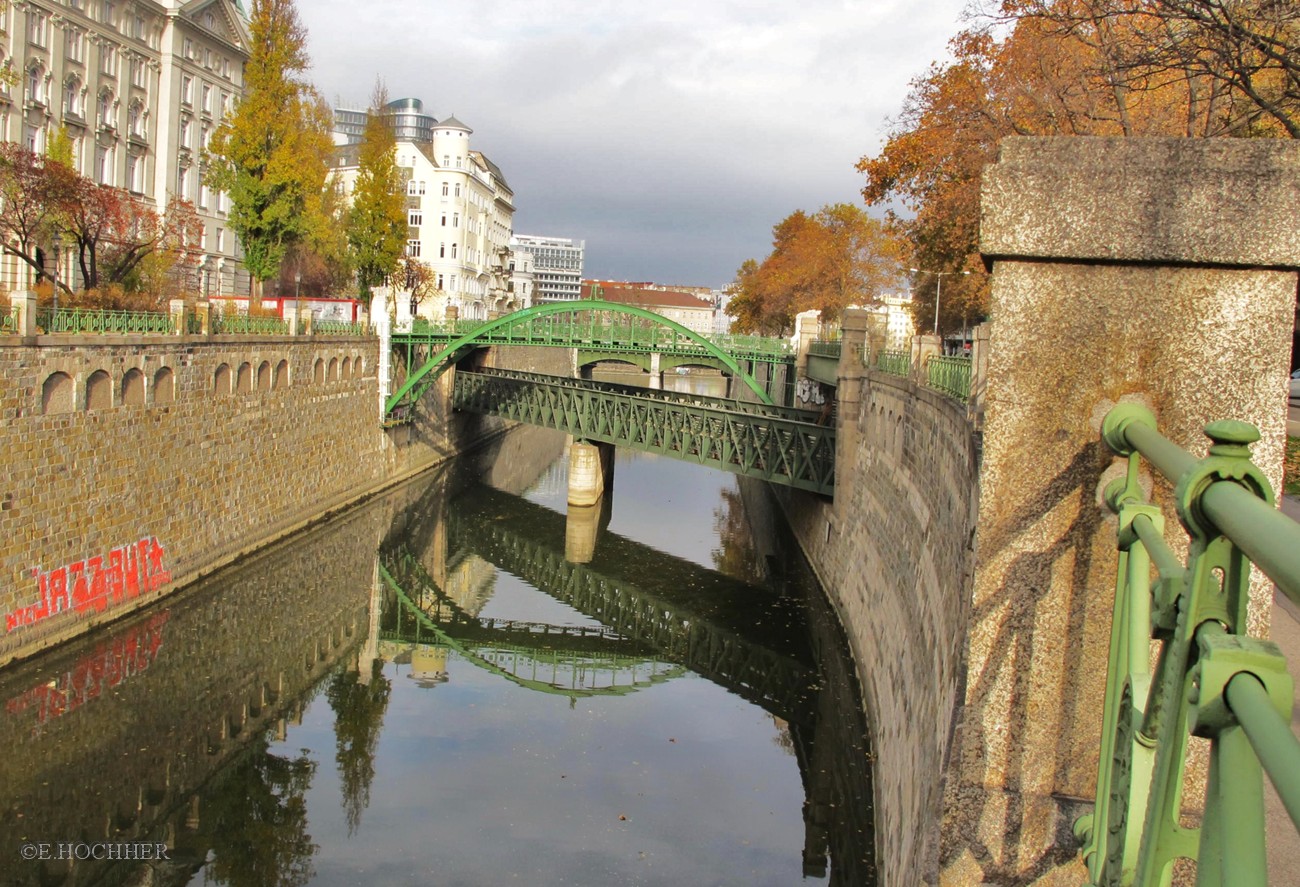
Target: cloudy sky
(669,135)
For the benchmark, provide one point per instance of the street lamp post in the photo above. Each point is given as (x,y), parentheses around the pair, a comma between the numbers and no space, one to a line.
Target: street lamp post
(938,287)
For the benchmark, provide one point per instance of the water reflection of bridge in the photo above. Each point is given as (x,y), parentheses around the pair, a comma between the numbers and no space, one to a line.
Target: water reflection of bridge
(655,608)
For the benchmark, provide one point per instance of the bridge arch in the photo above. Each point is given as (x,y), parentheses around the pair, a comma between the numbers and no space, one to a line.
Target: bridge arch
(438,362)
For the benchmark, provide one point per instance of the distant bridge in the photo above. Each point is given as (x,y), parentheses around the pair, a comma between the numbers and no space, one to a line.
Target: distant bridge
(598,330)
(760,441)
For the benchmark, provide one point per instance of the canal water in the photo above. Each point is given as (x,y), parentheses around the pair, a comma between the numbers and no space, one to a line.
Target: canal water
(463,682)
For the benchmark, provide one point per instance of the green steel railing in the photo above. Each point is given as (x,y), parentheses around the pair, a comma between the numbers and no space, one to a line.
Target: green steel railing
(249,325)
(83,321)
(951,375)
(9,320)
(822,348)
(896,363)
(338,328)
(1210,680)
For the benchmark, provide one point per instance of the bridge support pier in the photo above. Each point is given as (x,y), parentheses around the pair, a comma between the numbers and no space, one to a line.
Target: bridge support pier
(591,471)
(656,374)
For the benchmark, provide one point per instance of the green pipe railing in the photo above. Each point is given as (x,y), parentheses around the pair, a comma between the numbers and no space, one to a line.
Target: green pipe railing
(824,349)
(86,321)
(9,320)
(951,375)
(246,324)
(896,363)
(338,328)
(1210,680)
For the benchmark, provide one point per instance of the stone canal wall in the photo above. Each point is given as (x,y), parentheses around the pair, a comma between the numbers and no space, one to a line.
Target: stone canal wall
(894,554)
(134,465)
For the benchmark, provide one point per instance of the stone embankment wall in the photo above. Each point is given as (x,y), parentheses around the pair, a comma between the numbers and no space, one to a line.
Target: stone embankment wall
(134,465)
(894,554)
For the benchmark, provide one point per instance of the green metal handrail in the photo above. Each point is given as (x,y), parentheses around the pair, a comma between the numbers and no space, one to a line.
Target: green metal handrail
(338,328)
(896,363)
(9,320)
(83,321)
(951,375)
(822,348)
(249,325)
(1210,680)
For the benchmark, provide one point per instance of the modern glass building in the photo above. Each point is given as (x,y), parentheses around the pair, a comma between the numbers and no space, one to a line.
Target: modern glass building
(557,266)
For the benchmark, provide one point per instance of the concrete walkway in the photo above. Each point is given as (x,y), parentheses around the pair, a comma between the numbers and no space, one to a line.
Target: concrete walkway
(1283,840)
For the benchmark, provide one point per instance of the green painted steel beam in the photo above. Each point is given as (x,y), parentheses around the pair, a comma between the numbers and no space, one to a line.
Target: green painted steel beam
(483,334)
(796,454)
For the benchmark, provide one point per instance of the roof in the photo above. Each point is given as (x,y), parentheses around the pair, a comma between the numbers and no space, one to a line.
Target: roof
(451,123)
(651,299)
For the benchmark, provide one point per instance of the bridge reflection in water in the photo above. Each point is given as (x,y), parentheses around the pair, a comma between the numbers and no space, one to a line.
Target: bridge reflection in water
(231,724)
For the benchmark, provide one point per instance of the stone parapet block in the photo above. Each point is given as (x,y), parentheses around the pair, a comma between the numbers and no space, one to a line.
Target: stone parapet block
(1148,200)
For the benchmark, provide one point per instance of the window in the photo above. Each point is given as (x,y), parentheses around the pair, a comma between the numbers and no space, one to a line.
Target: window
(37,27)
(415,218)
(108,12)
(183,181)
(108,60)
(36,85)
(137,28)
(135,119)
(104,111)
(185,132)
(455,220)
(207,99)
(36,139)
(221,240)
(203,193)
(444,220)
(76,45)
(72,97)
(104,165)
(445,188)
(138,68)
(442,250)
(410,188)
(446,160)
(413,248)
(135,173)
(205,134)
(187,90)
(458,185)
(453,250)
(439,281)
(187,48)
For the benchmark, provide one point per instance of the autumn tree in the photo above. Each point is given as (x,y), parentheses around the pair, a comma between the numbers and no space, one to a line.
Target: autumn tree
(1060,67)
(377,223)
(33,189)
(839,256)
(271,154)
(1240,61)
(416,279)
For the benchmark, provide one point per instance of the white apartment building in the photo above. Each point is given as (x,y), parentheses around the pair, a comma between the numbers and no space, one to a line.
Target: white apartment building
(459,215)
(139,86)
(557,266)
(897,307)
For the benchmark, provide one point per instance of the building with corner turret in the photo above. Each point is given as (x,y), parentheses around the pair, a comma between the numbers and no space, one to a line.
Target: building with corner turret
(459,209)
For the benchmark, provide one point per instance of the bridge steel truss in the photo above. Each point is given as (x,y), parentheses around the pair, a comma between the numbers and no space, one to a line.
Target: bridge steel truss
(557,324)
(770,447)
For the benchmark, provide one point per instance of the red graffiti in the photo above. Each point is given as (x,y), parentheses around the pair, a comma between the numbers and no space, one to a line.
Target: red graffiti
(112,662)
(95,583)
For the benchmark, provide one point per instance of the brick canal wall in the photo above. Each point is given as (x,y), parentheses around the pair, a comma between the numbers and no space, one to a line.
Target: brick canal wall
(894,554)
(134,465)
